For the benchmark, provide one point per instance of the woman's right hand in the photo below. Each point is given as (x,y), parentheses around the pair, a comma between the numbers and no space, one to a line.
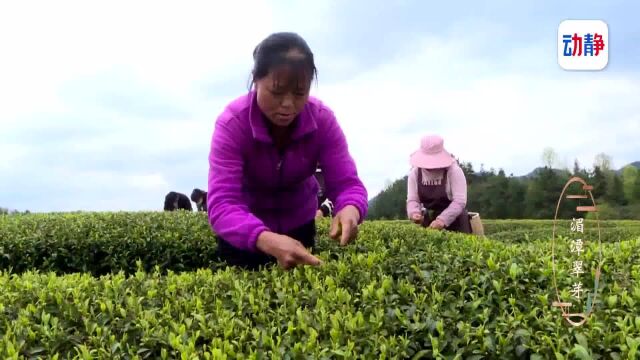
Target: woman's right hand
(288,251)
(417,218)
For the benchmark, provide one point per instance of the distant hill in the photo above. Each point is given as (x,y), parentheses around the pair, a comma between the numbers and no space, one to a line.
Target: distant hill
(4,210)
(537,170)
(635,164)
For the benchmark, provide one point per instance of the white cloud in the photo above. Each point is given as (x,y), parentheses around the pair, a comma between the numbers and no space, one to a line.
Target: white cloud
(60,63)
(96,190)
(169,47)
(11,156)
(148,181)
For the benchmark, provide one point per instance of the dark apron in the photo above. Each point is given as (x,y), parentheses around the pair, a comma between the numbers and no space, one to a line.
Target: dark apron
(434,198)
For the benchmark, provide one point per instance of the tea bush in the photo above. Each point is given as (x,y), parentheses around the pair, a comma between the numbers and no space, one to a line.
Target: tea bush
(100,243)
(399,291)
(526,230)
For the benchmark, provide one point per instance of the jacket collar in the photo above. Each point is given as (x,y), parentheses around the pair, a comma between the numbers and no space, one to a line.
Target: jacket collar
(306,121)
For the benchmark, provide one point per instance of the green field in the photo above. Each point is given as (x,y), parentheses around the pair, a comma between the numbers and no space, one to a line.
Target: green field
(148,285)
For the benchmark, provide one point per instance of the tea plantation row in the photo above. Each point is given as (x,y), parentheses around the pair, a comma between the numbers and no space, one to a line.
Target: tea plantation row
(398,292)
(101,243)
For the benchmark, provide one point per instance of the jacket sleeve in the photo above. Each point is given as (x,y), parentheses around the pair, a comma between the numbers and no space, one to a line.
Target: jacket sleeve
(229,216)
(413,199)
(342,184)
(458,188)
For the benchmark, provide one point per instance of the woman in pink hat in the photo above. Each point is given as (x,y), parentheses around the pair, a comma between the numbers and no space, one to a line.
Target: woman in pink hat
(437,183)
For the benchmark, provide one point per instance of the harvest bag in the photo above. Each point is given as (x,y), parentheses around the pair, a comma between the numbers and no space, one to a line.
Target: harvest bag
(476,224)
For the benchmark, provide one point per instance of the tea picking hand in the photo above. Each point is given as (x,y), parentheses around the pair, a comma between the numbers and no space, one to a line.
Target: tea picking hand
(437,224)
(345,223)
(417,218)
(288,251)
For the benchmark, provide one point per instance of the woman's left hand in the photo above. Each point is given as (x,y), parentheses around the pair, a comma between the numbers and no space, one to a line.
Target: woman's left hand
(437,224)
(345,223)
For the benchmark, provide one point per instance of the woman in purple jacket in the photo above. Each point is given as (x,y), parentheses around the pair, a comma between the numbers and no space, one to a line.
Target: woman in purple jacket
(262,196)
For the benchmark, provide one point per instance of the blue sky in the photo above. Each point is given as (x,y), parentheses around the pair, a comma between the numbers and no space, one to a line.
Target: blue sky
(109,106)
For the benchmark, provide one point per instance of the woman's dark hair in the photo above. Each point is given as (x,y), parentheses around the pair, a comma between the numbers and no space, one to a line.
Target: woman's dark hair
(272,52)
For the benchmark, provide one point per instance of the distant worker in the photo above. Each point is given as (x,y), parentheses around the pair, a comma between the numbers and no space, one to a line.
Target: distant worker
(325,206)
(199,197)
(437,188)
(177,201)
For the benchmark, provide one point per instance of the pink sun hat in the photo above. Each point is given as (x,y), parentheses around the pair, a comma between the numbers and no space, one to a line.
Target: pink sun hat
(431,154)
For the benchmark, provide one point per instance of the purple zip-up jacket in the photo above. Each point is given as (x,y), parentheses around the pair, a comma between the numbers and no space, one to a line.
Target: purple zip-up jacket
(253,188)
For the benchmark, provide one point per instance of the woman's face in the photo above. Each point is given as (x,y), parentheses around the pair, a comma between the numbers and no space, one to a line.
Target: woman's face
(280,97)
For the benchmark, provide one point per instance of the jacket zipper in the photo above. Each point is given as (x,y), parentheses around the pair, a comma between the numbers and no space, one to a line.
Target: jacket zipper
(281,157)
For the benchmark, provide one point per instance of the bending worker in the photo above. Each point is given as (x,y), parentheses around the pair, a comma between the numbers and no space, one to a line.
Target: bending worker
(262,195)
(325,206)
(437,183)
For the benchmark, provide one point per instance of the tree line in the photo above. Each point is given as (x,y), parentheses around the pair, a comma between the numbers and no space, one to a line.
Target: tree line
(7,211)
(534,196)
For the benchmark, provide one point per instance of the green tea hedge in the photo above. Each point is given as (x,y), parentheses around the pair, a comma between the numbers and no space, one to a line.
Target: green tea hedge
(610,231)
(493,226)
(101,243)
(398,292)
